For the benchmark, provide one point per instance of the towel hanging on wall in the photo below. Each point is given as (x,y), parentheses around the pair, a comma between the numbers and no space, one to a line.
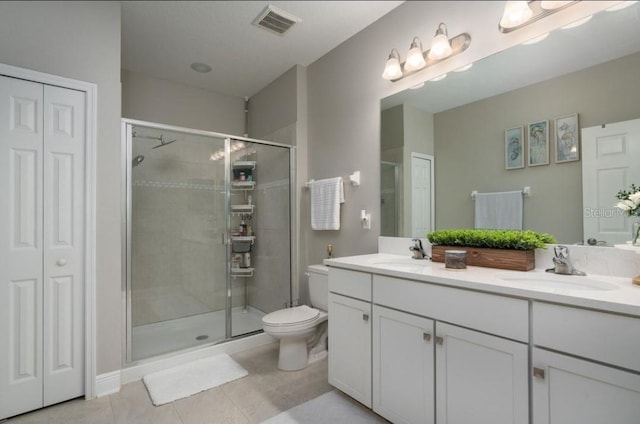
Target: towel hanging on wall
(501,211)
(326,197)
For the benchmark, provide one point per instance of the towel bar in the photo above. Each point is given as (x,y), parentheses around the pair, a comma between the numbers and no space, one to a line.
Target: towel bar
(526,192)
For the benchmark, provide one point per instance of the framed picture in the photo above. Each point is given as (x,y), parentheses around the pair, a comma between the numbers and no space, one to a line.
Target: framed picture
(538,143)
(514,148)
(567,138)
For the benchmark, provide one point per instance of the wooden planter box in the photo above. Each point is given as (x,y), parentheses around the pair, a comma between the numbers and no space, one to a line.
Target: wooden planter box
(518,260)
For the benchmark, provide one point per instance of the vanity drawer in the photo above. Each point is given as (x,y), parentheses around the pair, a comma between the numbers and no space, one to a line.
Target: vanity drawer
(601,336)
(350,283)
(499,315)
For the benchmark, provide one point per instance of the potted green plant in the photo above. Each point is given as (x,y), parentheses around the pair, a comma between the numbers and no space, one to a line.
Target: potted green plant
(505,249)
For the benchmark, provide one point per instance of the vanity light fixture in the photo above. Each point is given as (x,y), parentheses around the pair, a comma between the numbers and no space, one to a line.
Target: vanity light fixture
(441,49)
(518,14)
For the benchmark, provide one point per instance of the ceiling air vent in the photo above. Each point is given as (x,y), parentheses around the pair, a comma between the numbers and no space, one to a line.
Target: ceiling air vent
(275,20)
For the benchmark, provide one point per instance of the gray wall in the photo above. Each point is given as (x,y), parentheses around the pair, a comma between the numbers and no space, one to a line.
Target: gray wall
(602,94)
(165,102)
(81,40)
(345,88)
(279,113)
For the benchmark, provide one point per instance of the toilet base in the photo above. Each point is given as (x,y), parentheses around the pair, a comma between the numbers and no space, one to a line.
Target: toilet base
(293,354)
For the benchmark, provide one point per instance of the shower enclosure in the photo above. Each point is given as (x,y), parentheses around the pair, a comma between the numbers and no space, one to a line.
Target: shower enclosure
(208,236)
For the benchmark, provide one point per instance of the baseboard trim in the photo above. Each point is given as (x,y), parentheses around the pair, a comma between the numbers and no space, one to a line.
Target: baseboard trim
(109,383)
(136,372)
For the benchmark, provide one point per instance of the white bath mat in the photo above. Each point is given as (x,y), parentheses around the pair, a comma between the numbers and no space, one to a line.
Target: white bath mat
(194,377)
(330,408)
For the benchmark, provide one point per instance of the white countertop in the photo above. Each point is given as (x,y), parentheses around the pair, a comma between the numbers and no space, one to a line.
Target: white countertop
(623,297)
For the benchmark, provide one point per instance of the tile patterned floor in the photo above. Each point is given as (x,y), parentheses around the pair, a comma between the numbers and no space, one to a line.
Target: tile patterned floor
(265,392)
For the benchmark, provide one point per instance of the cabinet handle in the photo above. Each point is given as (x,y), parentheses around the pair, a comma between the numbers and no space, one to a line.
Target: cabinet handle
(61,262)
(426,337)
(538,372)
(439,340)
(365,317)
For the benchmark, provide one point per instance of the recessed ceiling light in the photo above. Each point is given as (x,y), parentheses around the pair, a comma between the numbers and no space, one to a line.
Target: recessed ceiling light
(203,68)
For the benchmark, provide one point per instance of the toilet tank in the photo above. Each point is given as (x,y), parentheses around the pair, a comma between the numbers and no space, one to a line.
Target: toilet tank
(319,286)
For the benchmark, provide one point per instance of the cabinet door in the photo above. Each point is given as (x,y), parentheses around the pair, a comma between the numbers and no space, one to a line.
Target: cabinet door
(350,347)
(403,376)
(567,390)
(480,378)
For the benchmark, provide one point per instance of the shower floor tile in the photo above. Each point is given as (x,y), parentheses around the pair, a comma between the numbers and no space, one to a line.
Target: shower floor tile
(169,336)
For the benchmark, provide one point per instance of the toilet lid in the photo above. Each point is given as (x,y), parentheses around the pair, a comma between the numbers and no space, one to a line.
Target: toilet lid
(291,316)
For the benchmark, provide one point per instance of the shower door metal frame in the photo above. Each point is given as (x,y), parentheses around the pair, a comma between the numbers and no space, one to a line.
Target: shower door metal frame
(126,158)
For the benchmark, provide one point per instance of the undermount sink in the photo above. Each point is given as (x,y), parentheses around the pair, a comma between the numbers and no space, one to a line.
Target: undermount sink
(404,264)
(558,281)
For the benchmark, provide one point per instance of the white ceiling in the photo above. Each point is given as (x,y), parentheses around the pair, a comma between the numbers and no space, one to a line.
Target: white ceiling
(163,38)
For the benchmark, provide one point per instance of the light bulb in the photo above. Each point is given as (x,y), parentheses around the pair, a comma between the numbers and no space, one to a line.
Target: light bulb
(392,68)
(515,13)
(440,47)
(415,57)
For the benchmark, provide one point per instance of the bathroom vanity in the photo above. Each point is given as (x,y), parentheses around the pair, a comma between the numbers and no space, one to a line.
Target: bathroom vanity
(421,344)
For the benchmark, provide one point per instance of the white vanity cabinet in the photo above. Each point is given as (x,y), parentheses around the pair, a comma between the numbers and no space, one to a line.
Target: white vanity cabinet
(350,333)
(480,376)
(403,373)
(586,366)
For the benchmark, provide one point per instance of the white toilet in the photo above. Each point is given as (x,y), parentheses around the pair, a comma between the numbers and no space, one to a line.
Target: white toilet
(302,330)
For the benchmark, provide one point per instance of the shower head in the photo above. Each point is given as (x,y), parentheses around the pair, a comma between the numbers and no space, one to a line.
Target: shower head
(162,142)
(137,160)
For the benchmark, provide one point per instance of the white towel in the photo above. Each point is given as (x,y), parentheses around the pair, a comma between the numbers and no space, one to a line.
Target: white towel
(326,196)
(501,211)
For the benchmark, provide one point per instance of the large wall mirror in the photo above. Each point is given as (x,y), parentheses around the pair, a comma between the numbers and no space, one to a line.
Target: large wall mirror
(459,124)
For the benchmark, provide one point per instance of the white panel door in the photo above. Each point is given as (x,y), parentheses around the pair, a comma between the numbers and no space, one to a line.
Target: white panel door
(350,347)
(64,144)
(42,143)
(403,362)
(422,217)
(567,390)
(21,250)
(610,157)
(480,378)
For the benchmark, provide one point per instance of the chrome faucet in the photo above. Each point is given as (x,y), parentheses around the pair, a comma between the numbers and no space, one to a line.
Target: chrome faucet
(417,250)
(562,263)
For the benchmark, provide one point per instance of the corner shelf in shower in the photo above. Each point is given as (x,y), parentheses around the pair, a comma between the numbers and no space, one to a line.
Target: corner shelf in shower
(251,239)
(242,208)
(244,164)
(243,185)
(242,272)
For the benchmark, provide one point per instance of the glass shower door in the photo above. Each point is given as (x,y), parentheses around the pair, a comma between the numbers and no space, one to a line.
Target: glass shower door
(260,233)
(177,258)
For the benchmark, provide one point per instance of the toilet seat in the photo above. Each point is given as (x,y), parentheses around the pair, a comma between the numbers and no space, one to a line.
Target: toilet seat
(299,315)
